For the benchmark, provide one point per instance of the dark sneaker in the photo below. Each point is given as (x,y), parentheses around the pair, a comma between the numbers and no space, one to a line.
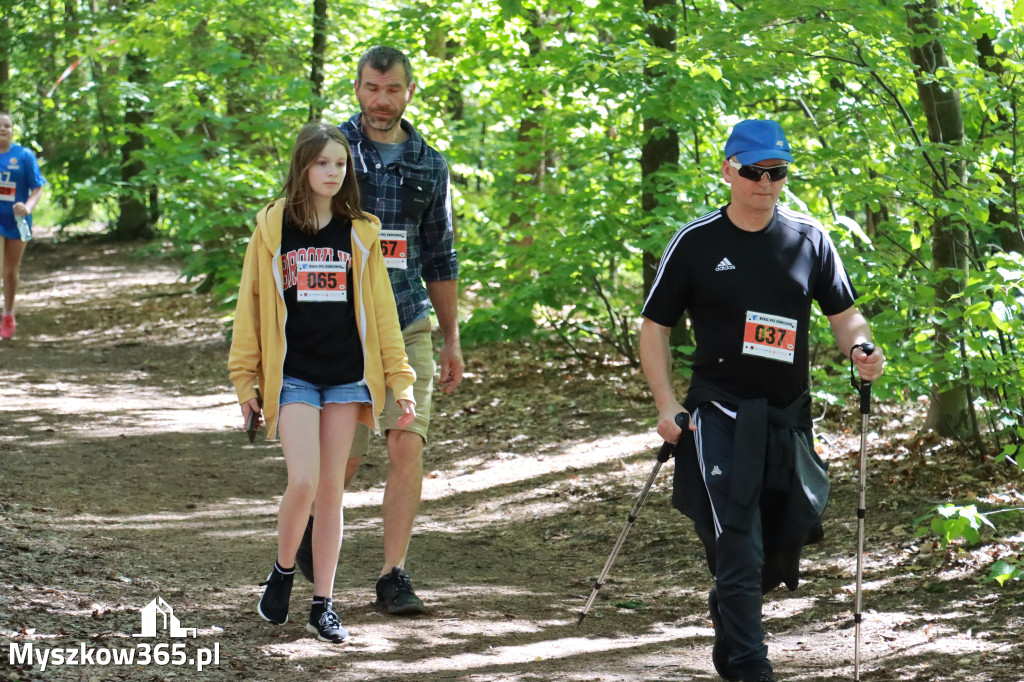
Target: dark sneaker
(721,650)
(273,605)
(325,624)
(304,557)
(395,595)
(761,671)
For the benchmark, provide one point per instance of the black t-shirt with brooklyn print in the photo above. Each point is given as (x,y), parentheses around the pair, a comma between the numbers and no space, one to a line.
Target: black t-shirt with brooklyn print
(319,293)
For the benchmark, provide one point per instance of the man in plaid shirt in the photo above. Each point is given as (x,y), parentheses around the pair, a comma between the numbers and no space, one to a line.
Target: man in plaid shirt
(405,183)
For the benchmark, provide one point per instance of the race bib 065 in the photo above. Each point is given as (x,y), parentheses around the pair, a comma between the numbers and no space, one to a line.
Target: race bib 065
(322,281)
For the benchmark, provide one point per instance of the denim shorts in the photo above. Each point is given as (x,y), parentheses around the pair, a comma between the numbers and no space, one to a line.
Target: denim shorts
(298,391)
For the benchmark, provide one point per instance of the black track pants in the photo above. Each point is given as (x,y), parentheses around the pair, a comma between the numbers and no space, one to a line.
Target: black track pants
(735,558)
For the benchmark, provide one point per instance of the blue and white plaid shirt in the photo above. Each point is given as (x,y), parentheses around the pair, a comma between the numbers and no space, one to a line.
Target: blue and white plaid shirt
(411,194)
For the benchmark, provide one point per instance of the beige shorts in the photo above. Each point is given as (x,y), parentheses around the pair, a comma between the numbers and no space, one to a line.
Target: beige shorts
(420,349)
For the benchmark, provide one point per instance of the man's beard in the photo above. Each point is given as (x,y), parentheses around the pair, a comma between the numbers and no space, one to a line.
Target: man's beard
(373,119)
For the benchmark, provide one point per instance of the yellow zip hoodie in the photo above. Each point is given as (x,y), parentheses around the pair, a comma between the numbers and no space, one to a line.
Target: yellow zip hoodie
(258,344)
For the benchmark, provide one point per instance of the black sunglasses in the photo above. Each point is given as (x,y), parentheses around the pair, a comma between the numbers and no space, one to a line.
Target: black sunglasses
(755,173)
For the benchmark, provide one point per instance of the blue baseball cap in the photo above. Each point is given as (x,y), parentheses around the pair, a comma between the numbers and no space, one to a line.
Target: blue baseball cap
(751,141)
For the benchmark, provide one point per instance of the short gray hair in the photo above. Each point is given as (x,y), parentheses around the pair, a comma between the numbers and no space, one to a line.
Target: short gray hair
(383,58)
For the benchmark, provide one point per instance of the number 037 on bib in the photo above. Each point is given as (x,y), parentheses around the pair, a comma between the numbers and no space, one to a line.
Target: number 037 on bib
(769,336)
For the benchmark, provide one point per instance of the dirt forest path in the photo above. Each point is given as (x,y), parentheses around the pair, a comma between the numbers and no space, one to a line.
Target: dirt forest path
(124,477)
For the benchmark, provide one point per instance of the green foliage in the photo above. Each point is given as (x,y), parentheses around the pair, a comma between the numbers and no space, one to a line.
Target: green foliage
(1006,570)
(542,110)
(955,524)
(952,523)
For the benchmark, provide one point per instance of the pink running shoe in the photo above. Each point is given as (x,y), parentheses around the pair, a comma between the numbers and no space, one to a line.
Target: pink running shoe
(7,326)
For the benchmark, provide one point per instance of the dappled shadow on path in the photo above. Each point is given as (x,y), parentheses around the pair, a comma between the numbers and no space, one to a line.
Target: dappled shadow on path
(126,477)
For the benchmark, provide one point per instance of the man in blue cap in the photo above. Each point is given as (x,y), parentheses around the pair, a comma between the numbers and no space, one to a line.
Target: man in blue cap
(746,472)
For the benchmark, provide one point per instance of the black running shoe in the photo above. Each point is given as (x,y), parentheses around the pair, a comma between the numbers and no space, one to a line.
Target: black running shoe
(273,605)
(758,672)
(395,595)
(304,557)
(325,624)
(721,650)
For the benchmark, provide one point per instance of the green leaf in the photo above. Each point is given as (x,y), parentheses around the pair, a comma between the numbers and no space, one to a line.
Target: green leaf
(854,227)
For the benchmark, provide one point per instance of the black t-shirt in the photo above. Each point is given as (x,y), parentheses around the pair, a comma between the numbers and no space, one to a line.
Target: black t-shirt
(323,339)
(749,295)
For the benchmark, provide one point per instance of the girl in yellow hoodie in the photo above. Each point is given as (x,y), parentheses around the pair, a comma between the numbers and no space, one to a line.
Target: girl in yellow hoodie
(316,330)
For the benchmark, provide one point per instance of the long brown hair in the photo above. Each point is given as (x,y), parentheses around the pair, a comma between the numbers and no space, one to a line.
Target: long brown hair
(299,206)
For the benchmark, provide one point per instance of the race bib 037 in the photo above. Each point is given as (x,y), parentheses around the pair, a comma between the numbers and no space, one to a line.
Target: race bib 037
(769,336)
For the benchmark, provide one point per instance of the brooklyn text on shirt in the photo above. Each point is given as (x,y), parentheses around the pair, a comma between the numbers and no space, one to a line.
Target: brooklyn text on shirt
(395,247)
(769,336)
(291,259)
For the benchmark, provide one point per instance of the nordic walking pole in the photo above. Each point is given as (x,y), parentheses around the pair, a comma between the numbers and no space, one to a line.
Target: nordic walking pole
(864,388)
(682,420)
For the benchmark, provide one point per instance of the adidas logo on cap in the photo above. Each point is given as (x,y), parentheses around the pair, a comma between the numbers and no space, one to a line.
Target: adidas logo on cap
(724,264)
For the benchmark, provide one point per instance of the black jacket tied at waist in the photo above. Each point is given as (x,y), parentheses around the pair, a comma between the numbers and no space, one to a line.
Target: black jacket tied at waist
(774,468)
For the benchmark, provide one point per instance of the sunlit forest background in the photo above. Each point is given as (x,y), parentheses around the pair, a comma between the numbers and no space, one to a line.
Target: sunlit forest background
(581,134)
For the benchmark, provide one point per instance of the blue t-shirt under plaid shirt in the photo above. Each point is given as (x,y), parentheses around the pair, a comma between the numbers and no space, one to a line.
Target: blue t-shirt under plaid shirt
(410,195)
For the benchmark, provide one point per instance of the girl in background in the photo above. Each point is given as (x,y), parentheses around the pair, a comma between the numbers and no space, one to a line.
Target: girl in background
(21,188)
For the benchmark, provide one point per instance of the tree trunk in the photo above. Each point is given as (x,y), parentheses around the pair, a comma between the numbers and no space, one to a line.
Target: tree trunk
(5,59)
(660,151)
(205,127)
(316,73)
(134,220)
(1005,222)
(447,92)
(948,412)
(530,143)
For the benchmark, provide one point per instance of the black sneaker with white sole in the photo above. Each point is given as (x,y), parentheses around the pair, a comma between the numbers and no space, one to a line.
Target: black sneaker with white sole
(304,557)
(273,604)
(395,594)
(324,622)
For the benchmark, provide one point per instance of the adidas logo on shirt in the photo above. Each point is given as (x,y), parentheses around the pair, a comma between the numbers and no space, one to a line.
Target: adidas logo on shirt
(724,264)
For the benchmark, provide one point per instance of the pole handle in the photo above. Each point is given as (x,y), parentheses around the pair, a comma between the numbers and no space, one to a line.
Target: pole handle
(683,422)
(862,387)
